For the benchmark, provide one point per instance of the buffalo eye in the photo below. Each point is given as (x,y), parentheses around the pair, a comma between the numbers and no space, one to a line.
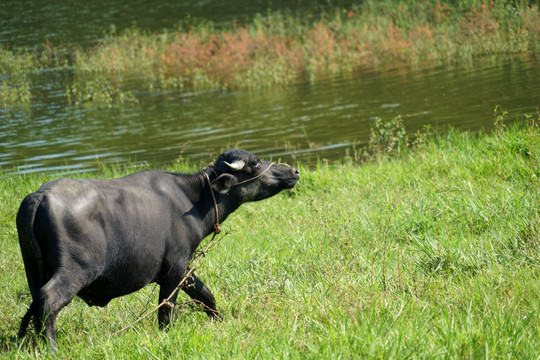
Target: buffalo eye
(256,163)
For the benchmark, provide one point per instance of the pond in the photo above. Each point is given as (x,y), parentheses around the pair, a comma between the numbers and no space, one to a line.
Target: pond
(302,122)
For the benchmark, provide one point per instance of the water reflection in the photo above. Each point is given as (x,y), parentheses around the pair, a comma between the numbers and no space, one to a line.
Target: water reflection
(31,23)
(303,121)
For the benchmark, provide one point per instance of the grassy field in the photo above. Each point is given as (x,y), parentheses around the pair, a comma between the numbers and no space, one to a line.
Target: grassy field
(431,253)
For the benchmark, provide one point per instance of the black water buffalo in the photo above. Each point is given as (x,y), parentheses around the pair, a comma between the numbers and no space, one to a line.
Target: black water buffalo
(100,239)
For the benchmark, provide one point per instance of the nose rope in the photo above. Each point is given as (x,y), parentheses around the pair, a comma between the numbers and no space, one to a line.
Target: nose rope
(255,177)
(217,227)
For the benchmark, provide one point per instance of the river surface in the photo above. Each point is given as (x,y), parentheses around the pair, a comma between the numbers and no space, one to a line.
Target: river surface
(301,122)
(30,23)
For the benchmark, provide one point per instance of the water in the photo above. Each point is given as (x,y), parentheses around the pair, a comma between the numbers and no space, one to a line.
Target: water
(303,121)
(29,23)
(299,122)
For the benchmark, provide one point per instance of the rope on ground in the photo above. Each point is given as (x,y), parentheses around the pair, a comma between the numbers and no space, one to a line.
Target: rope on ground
(191,268)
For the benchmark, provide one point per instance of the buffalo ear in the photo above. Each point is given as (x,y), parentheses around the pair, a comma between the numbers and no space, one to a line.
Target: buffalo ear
(223,183)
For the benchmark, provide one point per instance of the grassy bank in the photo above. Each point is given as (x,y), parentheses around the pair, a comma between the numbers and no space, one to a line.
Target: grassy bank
(433,253)
(284,47)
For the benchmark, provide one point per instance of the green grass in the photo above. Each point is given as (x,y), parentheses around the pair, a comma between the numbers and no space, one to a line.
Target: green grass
(432,253)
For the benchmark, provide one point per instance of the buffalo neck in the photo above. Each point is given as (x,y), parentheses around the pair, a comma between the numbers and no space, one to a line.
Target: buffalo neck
(197,188)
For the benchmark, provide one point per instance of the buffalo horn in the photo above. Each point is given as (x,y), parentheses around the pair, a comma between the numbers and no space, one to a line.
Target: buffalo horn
(237,165)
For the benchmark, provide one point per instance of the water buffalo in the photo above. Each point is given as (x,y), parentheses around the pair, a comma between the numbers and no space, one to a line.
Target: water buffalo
(104,238)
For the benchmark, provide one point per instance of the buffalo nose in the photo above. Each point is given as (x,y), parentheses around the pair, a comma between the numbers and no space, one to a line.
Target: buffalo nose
(296,172)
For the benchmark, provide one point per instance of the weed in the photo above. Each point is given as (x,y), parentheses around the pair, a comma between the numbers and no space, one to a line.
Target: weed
(14,76)
(387,137)
(500,115)
(97,92)
(15,94)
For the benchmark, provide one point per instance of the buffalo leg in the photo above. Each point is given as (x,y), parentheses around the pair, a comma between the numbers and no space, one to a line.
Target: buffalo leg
(200,293)
(54,295)
(33,275)
(32,312)
(164,312)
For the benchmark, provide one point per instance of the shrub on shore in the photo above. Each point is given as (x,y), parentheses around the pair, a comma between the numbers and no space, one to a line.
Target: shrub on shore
(282,48)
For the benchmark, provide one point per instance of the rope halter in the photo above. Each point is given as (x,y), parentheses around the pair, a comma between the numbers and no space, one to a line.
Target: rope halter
(217,226)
